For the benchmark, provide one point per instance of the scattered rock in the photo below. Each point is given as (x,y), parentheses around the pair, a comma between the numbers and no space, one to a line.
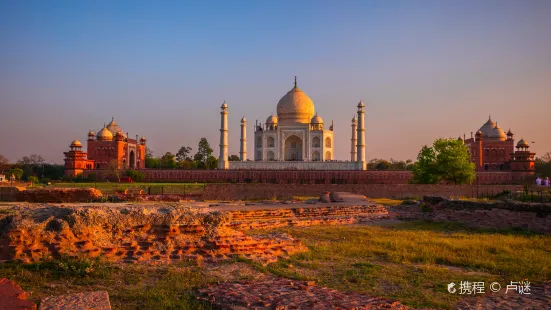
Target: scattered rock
(278,293)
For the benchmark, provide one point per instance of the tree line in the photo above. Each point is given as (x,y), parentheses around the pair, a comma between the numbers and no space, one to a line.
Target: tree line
(30,168)
(543,165)
(183,159)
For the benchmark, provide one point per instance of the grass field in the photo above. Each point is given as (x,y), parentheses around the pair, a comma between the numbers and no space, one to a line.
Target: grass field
(156,188)
(129,286)
(411,262)
(414,262)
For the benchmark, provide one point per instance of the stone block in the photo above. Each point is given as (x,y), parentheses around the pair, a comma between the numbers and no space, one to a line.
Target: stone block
(13,297)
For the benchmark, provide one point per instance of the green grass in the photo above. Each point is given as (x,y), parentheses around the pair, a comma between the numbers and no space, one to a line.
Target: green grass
(112,187)
(129,286)
(413,262)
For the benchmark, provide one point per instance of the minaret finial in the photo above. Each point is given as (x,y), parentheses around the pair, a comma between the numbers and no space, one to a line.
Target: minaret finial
(489,116)
(295,81)
(112,118)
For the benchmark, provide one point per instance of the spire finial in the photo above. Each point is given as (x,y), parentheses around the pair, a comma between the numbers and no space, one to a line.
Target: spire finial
(103,124)
(112,118)
(489,116)
(295,81)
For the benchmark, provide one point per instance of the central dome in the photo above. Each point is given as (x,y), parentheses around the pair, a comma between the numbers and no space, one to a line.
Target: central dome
(295,108)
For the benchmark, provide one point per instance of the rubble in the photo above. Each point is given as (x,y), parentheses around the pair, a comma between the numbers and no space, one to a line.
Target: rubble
(98,300)
(279,293)
(134,234)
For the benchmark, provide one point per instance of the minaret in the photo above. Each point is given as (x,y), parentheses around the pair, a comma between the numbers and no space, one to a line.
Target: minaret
(361,135)
(223,159)
(243,146)
(354,139)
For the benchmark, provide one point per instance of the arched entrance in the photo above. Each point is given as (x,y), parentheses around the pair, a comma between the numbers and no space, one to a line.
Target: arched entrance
(132,159)
(293,149)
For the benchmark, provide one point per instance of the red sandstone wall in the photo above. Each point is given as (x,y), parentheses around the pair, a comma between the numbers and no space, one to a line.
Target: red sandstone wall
(266,191)
(310,177)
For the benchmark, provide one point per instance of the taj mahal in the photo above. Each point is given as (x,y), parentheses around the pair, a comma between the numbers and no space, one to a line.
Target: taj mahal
(296,139)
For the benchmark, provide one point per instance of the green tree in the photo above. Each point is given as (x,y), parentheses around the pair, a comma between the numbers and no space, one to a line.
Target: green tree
(115,169)
(234,158)
(543,165)
(17,173)
(168,161)
(447,160)
(188,164)
(151,162)
(135,175)
(148,152)
(183,153)
(33,180)
(383,165)
(212,162)
(204,153)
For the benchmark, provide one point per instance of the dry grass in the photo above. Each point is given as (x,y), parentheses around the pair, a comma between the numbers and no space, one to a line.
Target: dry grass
(129,286)
(413,262)
(387,201)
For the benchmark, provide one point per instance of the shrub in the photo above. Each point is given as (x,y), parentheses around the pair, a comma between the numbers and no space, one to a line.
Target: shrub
(91,177)
(425,208)
(135,175)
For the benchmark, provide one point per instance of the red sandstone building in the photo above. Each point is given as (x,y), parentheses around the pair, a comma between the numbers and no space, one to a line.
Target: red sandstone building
(109,146)
(494,150)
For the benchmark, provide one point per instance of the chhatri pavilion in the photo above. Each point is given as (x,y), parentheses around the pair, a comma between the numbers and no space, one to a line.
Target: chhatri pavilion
(296,139)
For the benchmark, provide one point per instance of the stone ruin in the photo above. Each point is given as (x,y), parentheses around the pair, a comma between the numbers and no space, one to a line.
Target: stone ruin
(166,233)
(133,234)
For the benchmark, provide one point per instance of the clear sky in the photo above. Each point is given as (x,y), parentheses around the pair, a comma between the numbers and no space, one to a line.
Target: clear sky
(425,69)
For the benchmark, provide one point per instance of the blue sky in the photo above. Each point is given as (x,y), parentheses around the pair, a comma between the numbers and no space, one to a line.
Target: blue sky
(426,69)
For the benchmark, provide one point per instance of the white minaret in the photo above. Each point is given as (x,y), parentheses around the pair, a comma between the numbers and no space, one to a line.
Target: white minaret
(243,146)
(223,159)
(354,139)
(361,135)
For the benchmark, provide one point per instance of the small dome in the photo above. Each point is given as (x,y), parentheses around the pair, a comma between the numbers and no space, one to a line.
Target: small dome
(361,104)
(479,133)
(522,143)
(91,134)
(354,120)
(143,139)
(113,127)
(509,133)
(76,143)
(243,120)
(271,120)
(224,105)
(499,134)
(120,135)
(316,119)
(104,135)
(459,138)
